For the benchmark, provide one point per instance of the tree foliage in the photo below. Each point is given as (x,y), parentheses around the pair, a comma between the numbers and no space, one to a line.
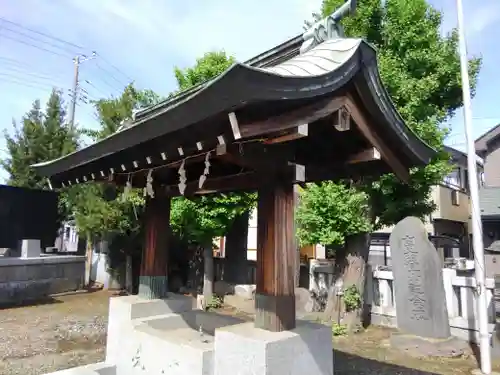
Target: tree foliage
(210,65)
(102,210)
(41,136)
(200,219)
(420,68)
(330,212)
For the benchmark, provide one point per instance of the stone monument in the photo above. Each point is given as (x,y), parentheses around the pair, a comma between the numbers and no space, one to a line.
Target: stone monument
(421,312)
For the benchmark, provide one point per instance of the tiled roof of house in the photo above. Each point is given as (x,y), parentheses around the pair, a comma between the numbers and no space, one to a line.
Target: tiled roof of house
(482,142)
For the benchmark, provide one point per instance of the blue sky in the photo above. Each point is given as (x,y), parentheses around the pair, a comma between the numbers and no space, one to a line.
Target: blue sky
(144,40)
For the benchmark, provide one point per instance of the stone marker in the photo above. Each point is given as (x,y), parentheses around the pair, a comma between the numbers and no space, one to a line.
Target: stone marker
(418,282)
(30,249)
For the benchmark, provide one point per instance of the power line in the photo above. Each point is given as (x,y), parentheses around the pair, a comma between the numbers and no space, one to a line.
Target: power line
(34,85)
(115,68)
(110,75)
(32,45)
(43,34)
(24,70)
(96,88)
(30,74)
(66,50)
(110,85)
(38,39)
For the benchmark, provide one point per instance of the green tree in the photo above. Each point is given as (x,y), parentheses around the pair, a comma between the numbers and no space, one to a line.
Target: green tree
(201,219)
(420,68)
(209,66)
(103,211)
(41,136)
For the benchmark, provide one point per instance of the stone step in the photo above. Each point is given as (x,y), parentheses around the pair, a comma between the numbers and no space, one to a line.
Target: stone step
(92,369)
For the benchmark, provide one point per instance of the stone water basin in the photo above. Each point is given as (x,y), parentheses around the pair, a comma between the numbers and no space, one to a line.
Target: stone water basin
(184,328)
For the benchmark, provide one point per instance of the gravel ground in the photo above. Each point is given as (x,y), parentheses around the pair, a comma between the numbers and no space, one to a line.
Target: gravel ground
(65,331)
(71,331)
(369,353)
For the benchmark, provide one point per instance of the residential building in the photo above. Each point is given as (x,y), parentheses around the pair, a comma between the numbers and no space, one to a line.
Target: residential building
(488,147)
(448,226)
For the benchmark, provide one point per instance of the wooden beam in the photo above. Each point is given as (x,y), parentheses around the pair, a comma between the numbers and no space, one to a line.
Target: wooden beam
(234,125)
(153,280)
(376,140)
(292,119)
(292,173)
(364,156)
(290,135)
(256,156)
(241,181)
(275,289)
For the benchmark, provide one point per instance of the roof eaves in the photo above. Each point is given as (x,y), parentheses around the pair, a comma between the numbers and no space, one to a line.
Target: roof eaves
(271,57)
(488,133)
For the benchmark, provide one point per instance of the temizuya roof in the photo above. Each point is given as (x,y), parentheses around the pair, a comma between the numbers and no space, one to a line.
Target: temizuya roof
(332,68)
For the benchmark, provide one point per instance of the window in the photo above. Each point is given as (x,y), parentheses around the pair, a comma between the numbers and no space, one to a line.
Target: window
(455,198)
(453,178)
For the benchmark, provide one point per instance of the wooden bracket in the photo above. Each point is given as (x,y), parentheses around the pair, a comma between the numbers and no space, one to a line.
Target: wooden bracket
(256,156)
(370,154)
(298,132)
(385,151)
(234,125)
(292,119)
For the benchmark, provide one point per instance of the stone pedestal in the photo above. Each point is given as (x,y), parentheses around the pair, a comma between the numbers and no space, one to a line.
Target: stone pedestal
(30,249)
(424,347)
(126,312)
(152,337)
(245,350)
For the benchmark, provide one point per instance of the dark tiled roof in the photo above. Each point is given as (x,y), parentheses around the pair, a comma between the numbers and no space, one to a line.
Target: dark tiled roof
(482,142)
(494,247)
(272,57)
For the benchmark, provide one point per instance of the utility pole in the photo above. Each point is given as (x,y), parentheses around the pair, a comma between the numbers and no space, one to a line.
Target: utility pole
(477,232)
(74,91)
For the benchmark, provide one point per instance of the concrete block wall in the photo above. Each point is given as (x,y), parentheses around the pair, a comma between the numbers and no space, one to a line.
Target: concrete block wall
(23,280)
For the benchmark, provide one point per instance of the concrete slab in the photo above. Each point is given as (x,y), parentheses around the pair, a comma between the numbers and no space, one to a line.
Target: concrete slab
(305,350)
(92,369)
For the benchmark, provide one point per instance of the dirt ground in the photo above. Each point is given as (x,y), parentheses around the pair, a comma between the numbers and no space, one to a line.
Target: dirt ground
(71,331)
(369,352)
(62,332)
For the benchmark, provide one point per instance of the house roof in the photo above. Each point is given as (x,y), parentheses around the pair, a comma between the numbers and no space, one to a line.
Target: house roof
(481,143)
(494,247)
(460,157)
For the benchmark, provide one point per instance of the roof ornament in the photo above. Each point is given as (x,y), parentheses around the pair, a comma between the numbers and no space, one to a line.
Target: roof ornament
(328,27)
(128,188)
(206,171)
(182,178)
(148,189)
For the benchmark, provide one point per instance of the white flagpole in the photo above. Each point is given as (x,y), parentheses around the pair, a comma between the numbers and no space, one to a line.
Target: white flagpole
(477,235)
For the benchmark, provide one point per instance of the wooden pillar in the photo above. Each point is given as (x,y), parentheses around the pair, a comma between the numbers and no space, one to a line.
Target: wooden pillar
(276,253)
(153,281)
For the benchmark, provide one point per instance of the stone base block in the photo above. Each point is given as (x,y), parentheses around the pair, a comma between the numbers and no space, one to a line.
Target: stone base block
(30,249)
(135,307)
(426,347)
(176,344)
(245,350)
(125,312)
(478,371)
(92,369)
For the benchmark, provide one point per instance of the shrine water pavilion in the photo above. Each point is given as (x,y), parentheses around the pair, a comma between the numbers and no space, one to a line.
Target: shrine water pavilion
(311,109)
